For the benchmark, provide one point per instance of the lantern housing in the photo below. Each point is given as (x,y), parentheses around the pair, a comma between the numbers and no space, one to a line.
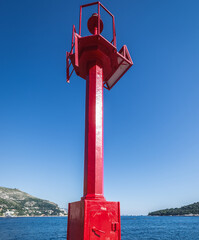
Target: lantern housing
(86,49)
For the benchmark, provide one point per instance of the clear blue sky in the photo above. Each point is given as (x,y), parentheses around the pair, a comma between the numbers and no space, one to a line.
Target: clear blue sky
(151,117)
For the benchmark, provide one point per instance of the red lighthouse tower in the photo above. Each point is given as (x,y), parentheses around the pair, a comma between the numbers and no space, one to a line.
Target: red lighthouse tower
(96,60)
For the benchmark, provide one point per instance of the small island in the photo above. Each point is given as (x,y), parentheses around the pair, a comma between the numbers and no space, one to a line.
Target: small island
(188,210)
(14,203)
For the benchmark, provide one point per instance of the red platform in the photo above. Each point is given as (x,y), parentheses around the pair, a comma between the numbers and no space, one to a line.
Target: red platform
(94,220)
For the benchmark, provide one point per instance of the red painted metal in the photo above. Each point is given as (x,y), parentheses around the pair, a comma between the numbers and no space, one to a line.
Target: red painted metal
(93,220)
(98,27)
(95,23)
(93,167)
(98,7)
(96,60)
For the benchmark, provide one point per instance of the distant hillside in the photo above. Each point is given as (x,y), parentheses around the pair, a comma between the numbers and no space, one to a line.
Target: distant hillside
(14,202)
(192,209)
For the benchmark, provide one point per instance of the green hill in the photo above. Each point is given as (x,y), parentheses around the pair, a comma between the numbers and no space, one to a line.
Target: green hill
(192,209)
(14,202)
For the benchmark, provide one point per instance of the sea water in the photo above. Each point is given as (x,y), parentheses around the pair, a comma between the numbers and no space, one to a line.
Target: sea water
(132,228)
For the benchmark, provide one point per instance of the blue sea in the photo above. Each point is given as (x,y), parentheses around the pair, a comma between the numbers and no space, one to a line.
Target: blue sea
(133,228)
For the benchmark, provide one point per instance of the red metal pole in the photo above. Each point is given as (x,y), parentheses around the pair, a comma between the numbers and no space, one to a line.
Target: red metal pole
(93,159)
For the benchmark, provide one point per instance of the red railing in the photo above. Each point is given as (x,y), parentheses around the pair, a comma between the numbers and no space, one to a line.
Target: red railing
(99,5)
(68,62)
(75,36)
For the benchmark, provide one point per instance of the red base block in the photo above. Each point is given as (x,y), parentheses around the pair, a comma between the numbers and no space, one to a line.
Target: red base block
(94,220)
